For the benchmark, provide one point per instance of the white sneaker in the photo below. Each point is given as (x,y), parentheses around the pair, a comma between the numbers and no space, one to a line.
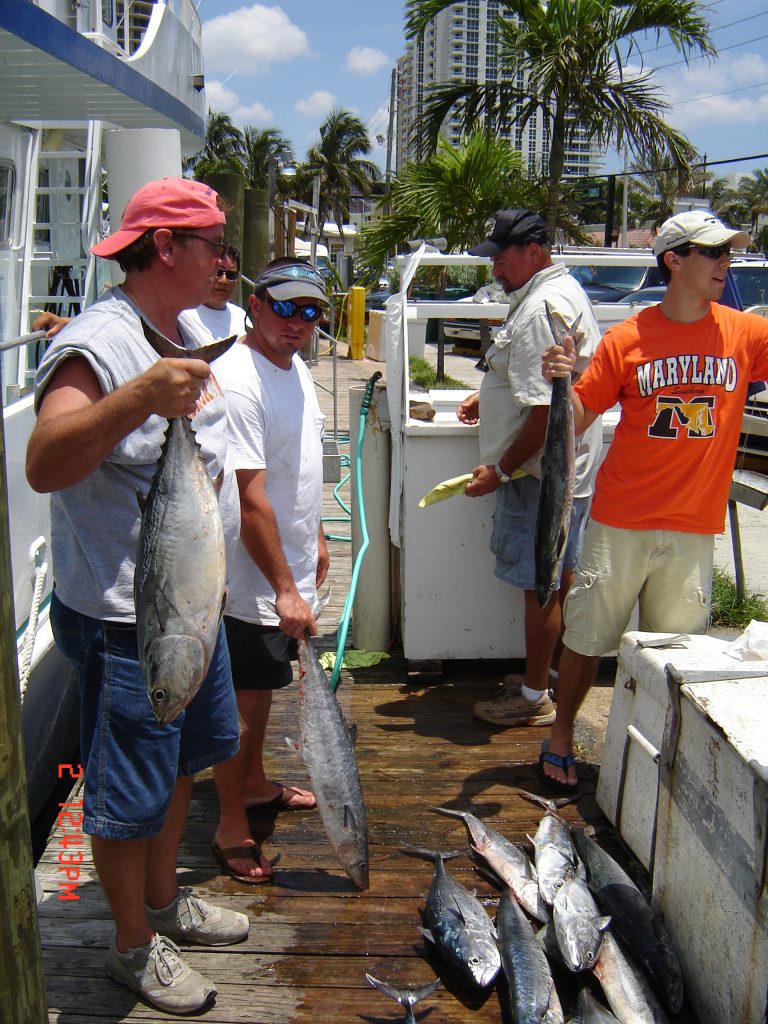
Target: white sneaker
(191,919)
(159,975)
(509,707)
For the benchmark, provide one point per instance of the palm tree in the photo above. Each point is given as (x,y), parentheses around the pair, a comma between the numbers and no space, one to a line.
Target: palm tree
(338,159)
(754,191)
(451,194)
(224,148)
(659,189)
(260,144)
(566,53)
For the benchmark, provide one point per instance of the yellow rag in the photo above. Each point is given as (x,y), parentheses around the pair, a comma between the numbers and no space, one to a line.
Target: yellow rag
(353,659)
(456,485)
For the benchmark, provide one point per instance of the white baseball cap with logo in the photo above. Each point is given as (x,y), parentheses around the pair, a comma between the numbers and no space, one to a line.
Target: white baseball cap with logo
(701,227)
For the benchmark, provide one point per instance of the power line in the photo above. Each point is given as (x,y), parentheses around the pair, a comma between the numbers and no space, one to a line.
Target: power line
(714,95)
(718,28)
(703,56)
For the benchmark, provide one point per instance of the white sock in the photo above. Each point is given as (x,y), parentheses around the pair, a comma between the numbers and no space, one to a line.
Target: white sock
(532,695)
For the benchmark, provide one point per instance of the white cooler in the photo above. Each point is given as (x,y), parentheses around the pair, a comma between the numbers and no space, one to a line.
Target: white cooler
(685,781)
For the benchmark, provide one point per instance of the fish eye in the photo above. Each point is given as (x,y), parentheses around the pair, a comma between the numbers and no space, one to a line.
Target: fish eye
(158,696)
(474,960)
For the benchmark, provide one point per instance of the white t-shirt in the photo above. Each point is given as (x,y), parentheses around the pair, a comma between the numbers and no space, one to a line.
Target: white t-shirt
(221,323)
(274,423)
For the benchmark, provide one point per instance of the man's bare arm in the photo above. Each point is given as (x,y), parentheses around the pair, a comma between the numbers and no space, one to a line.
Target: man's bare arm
(261,538)
(78,425)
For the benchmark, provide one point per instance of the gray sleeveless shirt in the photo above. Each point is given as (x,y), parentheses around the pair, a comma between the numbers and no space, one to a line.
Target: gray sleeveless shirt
(95,523)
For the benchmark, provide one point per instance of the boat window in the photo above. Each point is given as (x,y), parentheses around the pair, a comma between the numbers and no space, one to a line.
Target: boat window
(108,12)
(6,197)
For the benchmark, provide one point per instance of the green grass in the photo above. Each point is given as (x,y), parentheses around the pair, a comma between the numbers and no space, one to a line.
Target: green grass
(727,610)
(423,374)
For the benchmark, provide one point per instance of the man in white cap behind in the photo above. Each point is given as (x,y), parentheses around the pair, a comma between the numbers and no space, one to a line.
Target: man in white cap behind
(680,371)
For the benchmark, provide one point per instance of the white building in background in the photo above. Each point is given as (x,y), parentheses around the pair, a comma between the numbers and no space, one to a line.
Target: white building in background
(461,44)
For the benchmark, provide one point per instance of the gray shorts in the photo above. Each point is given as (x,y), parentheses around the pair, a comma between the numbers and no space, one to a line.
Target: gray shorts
(514,532)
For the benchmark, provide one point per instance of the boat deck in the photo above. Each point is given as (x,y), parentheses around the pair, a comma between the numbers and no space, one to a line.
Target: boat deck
(313,935)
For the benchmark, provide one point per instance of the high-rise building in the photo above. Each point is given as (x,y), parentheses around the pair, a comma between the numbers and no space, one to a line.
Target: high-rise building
(461,44)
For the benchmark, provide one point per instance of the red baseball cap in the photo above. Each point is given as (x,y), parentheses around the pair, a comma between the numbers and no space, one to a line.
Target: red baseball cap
(168,203)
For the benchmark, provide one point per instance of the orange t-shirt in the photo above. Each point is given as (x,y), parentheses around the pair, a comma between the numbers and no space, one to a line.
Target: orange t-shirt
(682,389)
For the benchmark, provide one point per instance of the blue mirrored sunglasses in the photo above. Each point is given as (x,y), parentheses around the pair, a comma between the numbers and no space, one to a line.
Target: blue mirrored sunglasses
(285,309)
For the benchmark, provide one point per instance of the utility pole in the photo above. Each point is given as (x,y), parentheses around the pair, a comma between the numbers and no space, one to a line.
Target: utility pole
(22,993)
(390,139)
(625,200)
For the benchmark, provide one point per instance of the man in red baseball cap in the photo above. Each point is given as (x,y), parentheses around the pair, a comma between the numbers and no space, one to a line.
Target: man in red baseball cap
(103,398)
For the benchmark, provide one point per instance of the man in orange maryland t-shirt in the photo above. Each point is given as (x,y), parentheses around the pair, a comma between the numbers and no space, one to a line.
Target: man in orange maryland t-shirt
(680,372)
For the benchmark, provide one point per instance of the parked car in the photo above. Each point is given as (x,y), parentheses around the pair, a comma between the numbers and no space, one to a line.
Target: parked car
(610,282)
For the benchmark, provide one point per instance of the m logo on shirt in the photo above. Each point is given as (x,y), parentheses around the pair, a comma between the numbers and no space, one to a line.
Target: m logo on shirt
(673,415)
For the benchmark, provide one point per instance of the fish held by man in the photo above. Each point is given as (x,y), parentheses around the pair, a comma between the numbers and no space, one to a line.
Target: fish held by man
(180,577)
(553,515)
(457,924)
(327,749)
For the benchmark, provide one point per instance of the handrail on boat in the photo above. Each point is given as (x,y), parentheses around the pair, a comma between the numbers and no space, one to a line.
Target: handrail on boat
(25,339)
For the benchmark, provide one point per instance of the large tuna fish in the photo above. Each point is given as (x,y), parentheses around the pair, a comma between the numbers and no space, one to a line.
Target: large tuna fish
(633,920)
(457,925)
(532,998)
(180,577)
(329,754)
(553,517)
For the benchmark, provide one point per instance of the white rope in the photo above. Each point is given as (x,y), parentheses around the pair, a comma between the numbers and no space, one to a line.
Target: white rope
(31,631)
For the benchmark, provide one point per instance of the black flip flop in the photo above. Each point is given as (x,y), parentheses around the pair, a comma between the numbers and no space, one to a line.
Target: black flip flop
(564,763)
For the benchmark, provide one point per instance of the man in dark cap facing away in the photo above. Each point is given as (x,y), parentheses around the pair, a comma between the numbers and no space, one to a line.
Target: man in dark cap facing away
(512,407)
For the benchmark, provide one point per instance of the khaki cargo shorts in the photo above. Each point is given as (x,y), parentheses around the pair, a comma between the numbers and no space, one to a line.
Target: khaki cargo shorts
(668,572)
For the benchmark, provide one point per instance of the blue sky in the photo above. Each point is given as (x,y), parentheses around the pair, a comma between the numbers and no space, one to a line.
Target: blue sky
(286,65)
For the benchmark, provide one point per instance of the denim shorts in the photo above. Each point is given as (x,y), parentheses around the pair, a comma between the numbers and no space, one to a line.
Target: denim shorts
(131,763)
(514,532)
(261,655)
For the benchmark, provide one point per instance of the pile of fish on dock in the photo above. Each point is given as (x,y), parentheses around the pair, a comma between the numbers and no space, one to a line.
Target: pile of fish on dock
(589,919)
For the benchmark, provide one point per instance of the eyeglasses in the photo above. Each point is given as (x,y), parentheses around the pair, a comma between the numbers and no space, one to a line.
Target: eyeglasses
(712,252)
(219,247)
(286,309)
(231,275)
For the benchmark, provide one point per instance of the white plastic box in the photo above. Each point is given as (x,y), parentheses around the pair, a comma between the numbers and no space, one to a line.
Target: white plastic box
(685,781)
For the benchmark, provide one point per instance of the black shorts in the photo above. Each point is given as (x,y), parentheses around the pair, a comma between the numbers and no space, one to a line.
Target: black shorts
(261,655)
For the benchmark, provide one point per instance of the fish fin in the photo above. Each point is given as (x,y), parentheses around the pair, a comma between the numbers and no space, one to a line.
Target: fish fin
(142,500)
(293,744)
(603,922)
(350,821)
(427,933)
(210,352)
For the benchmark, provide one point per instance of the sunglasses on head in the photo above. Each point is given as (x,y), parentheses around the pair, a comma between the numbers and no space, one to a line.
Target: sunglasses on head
(286,309)
(712,252)
(231,275)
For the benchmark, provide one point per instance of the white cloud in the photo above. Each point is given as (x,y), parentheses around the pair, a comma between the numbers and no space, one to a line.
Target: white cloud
(366,60)
(251,39)
(718,94)
(222,100)
(316,105)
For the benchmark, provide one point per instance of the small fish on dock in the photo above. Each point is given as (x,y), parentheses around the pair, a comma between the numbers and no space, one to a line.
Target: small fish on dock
(579,925)
(407,997)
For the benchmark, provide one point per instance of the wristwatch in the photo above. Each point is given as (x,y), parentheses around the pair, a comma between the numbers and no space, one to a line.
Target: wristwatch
(504,478)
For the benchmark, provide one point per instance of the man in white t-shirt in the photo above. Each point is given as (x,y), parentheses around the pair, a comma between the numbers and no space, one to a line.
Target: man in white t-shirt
(217,314)
(275,437)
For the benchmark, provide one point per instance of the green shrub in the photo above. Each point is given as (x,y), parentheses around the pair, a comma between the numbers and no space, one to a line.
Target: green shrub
(728,610)
(423,374)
